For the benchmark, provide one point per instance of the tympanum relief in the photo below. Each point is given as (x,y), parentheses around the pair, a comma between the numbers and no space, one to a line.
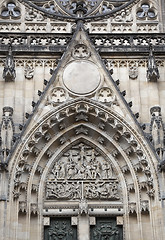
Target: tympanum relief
(82,173)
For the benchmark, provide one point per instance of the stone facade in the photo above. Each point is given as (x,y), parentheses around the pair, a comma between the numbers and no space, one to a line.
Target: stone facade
(82,133)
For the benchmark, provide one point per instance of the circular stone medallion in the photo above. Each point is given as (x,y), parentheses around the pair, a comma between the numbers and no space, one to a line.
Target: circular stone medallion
(81,77)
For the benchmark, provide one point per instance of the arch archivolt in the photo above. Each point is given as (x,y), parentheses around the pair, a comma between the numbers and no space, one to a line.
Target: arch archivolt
(83,121)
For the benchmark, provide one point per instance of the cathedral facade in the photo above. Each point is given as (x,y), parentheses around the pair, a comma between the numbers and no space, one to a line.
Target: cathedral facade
(82,134)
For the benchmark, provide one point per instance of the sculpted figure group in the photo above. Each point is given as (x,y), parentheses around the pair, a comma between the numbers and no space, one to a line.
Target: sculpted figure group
(82,172)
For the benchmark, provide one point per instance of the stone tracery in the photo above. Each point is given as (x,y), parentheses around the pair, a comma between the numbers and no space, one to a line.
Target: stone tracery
(103,156)
(73,9)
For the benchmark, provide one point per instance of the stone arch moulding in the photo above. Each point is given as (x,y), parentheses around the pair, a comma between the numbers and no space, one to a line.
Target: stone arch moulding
(94,124)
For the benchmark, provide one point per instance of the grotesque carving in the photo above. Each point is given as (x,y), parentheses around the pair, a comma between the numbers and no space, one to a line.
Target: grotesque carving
(29,72)
(133,72)
(82,173)
(9,73)
(157,130)
(7,131)
(152,72)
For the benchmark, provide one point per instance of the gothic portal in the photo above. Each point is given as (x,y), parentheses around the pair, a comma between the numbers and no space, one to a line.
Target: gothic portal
(82,137)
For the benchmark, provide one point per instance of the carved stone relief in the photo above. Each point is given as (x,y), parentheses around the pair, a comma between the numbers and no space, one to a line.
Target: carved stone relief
(124,16)
(82,173)
(32,15)
(29,72)
(81,51)
(56,95)
(133,72)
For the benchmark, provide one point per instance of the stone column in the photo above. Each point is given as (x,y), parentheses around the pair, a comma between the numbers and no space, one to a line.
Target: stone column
(83,227)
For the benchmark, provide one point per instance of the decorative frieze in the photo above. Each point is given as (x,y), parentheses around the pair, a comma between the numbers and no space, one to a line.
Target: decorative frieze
(135,40)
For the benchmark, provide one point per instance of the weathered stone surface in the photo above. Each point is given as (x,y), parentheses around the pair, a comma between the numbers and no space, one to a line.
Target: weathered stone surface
(81,77)
(80,164)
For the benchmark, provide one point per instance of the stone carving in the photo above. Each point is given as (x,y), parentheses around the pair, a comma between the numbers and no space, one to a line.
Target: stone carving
(103,190)
(146,12)
(22,207)
(81,51)
(81,116)
(81,130)
(124,16)
(99,27)
(132,207)
(33,15)
(7,131)
(106,95)
(144,206)
(152,71)
(9,73)
(34,208)
(56,95)
(29,72)
(83,207)
(82,173)
(157,130)
(133,72)
(11,11)
(82,9)
(99,41)
(105,40)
